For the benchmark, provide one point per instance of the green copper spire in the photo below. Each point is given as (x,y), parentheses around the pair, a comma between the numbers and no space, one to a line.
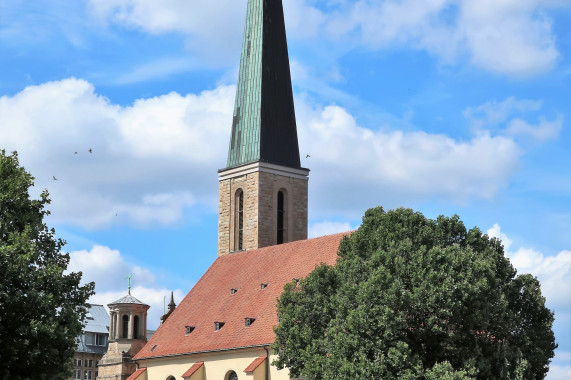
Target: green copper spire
(263,127)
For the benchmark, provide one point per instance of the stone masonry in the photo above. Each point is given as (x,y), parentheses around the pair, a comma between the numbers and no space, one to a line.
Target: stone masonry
(117,364)
(261,189)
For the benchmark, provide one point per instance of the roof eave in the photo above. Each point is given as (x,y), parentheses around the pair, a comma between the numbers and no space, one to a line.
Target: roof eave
(202,352)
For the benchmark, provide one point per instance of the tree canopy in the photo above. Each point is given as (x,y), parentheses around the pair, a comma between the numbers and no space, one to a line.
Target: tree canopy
(42,308)
(415,298)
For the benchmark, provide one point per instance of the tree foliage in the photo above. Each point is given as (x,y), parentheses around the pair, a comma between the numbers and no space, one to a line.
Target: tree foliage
(42,308)
(413,298)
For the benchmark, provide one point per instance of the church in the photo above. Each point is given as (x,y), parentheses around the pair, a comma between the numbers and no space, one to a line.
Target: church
(223,328)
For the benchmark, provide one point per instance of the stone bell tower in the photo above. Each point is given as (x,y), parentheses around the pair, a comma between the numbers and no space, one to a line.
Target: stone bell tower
(263,189)
(127,335)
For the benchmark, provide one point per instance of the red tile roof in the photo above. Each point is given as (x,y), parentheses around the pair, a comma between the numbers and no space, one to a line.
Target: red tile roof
(136,374)
(211,299)
(255,364)
(195,367)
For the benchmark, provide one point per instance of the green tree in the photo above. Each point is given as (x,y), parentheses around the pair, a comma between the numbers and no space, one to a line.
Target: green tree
(42,308)
(413,298)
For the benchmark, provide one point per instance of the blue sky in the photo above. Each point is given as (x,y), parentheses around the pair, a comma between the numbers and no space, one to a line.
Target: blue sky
(444,106)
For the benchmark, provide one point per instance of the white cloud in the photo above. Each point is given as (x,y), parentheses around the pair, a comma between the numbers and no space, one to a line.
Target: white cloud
(356,168)
(508,114)
(495,112)
(509,37)
(554,272)
(496,231)
(506,37)
(302,20)
(195,127)
(108,269)
(328,228)
(213,28)
(150,160)
(557,372)
(545,130)
(159,156)
(212,22)
(560,368)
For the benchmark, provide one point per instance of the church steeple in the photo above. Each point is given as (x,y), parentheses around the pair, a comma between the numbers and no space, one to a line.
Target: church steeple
(263,189)
(264,127)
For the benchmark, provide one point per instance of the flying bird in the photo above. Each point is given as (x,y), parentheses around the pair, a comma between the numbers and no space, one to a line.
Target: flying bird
(74,152)
(90,150)
(55,179)
(307,156)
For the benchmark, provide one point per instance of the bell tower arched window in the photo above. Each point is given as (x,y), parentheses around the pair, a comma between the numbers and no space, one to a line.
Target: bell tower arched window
(239,221)
(281,222)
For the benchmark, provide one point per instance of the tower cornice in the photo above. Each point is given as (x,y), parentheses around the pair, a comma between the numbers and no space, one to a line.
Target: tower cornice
(298,173)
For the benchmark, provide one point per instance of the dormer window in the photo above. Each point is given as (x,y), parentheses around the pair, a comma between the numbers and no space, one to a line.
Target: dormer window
(233,291)
(263,286)
(154,347)
(218,325)
(188,329)
(249,321)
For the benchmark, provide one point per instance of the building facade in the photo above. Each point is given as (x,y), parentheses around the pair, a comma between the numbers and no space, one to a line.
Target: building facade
(92,344)
(224,327)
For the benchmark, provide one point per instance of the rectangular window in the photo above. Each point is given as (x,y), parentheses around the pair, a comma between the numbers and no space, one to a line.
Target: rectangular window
(90,338)
(89,363)
(76,374)
(88,375)
(77,362)
(101,339)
